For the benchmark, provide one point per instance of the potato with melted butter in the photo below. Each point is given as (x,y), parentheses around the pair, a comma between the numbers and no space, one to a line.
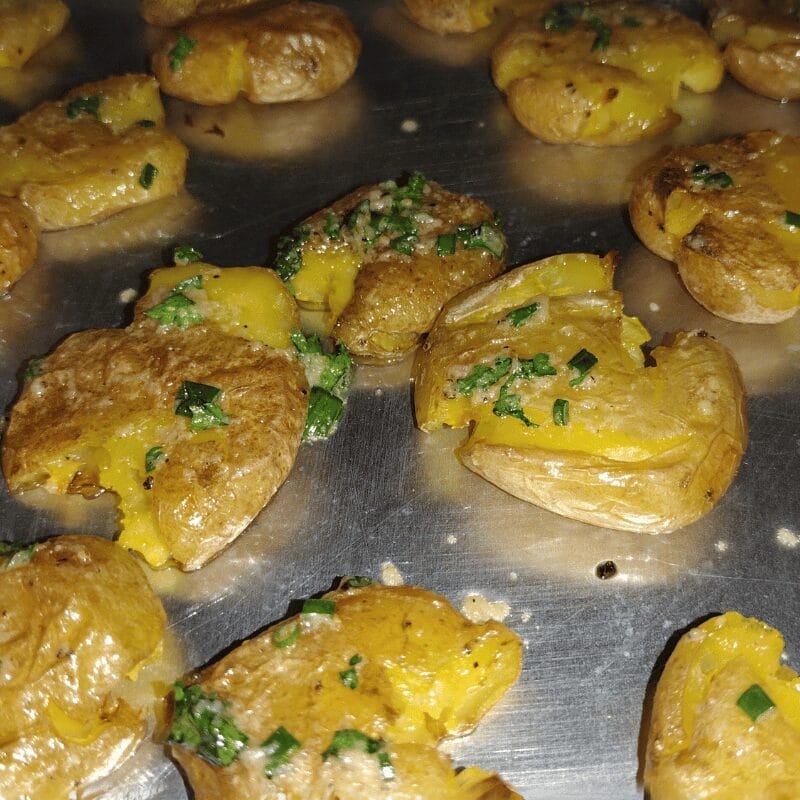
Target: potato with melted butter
(548,372)
(347,700)
(602,73)
(26,26)
(464,16)
(79,621)
(728,215)
(192,415)
(383,260)
(270,53)
(726,716)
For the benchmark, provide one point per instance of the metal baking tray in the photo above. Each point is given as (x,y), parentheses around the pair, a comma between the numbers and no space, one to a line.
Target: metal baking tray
(381,491)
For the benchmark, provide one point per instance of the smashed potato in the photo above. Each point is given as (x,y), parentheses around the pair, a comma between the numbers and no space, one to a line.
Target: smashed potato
(347,700)
(192,415)
(19,241)
(383,260)
(728,215)
(270,53)
(171,12)
(79,621)
(463,16)
(726,716)
(549,372)
(602,73)
(101,149)
(761,44)
(26,26)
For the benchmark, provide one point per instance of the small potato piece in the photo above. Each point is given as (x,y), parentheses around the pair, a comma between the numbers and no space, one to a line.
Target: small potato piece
(19,242)
(566,416)
(270,53)
(171,12)
(604,73)
(725,213)
(26,26)
(101,149)
(375,261)
(463,16)
(394,666)
(103,413)
(726,716)
(79,618)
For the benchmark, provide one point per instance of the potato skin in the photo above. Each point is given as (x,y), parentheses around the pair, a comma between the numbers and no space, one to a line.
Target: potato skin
(270,53)
(446,16)
(19,241)
(711,748)
(208,490)
(732,260)
(84,597)
(172,12)
(26,26)
(417,682)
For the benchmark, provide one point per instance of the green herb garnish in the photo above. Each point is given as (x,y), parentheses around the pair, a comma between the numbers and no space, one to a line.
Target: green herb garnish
(89,105)
(563,16)
(537,367)
(279,747)
(146,123)
(332,226)
(200,722)
(192,282)
(521,315)
(486,236)
(324,412)
(336,373)
(317,606)
(404,244)
(631,22)
(603,32)
(446,244)
(412,191)
(197,400)
(289,258)
(306,345)
(349,677)
(482,376)
(582,361)
(702,174)
(755,702)
(286,635)
(177,55)
(355,582)
(33,368)
(792,219)
(186,254)
(510,405)
(349,739)
(561,412)
(147,175)
(152,457)
(177,310)
(16,554)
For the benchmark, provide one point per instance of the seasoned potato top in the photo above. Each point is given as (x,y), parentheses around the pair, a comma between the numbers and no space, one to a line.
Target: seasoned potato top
(270,52)
(547,368)
(726,716)
(463,16)
(346,700)
(79,618)
(607,72)
(194,428)
(26,26)
(383,260)
(101,149)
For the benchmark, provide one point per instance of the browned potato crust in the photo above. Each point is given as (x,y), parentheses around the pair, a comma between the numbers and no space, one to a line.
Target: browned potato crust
(734,249)
(18,241)
(78,619)
(418,672)
(171,12)
(26,26)
(463,16)
(270,53)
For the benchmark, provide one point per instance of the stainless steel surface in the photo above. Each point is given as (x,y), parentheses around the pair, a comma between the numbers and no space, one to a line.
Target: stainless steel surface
(382,491)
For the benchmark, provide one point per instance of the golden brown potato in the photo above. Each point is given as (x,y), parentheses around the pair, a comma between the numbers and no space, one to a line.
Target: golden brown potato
(761,41)
(19,241)
(101,149)
(549,372)
(726,716)
(192,466)
(79,620)
(384,259)
(602,73)
(171,12)
(270,53)
(464,16)
(727,215)
(26,26)
(347,700)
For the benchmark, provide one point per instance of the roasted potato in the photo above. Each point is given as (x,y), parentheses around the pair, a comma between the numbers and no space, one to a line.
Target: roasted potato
(271,53)
(79,621)
(549,372)
(190,415)
(347,700)
(761,44)
(463,16)
(726,716)
(171,12)
(101,149)
(26,26)
(19,241)
(384,259)
(728,215)
(604,73)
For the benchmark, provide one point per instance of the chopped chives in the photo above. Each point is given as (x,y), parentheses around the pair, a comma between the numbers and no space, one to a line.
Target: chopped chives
(177,310)
(317,606)
(446,244)
(521,315)
(355,582)
(152,457)
(89,105)
(791,218)
(349,677)
(279,747)
(702,174)
(755,702)
(582,361)
(147,175)
(286,635)
(177,55)
(631,22)
(186,254)
(561,412)
(482,376)
(325,410)
(510,405)
(603,38)
(198,401)
(537,367)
